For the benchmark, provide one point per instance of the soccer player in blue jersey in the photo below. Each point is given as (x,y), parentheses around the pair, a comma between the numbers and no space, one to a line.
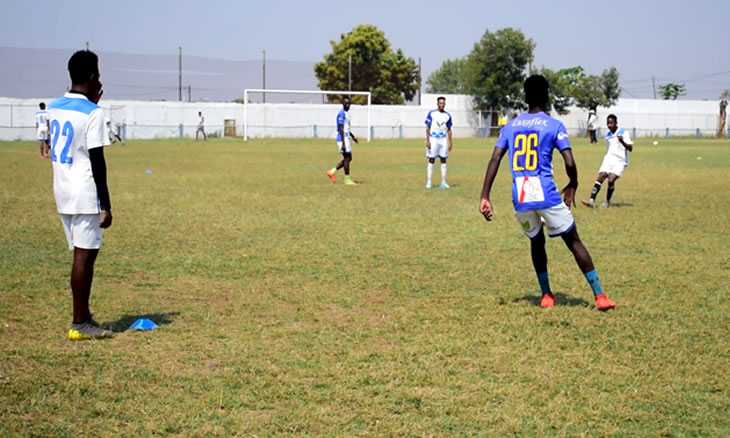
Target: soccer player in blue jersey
(344,145)
(530,139)
(78,138)
(438,140)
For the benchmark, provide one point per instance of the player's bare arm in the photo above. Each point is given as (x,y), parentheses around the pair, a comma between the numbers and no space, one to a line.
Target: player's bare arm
(485,206)
(428,137)
(451,144)
(571,169)
(354,138)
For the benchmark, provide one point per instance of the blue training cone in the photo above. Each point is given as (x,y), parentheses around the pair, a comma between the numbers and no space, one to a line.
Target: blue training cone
(143,324)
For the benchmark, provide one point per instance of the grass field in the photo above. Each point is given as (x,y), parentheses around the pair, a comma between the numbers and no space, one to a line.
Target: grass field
(291,306)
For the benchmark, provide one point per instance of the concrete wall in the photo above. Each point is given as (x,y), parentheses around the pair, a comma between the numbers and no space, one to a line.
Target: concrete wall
(144,119)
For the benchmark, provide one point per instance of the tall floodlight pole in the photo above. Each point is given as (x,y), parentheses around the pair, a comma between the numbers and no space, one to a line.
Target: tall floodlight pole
(653,87)
(179,73)
(420,81)
(349,73)
(264,87)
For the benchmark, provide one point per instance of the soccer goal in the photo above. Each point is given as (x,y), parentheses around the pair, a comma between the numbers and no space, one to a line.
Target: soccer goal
(296,119)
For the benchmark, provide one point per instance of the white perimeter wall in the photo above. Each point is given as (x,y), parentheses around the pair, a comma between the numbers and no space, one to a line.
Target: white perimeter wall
(163,119)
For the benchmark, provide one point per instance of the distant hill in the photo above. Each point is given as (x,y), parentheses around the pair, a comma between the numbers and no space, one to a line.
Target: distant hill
(28,73)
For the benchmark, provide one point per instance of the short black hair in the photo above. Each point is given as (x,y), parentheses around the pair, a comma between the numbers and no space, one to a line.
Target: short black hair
(536,91)
(612,116)
(344,98)
(82,65)
(441,98)
(42,105)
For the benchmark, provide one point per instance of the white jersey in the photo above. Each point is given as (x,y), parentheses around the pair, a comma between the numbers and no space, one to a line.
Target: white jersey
(77,125)
(592,119)
(201,122)
(440,123)
(41,118)
(614,149)
(343,118)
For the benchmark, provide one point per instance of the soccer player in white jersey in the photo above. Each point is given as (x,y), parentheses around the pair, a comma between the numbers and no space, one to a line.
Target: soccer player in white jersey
(618,146)
(42,128)
(438,140)
(529,140)
(344,134)
(201,127)
(112,131)
(78,138)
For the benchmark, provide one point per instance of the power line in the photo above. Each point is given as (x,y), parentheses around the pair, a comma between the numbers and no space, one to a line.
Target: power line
(712,75)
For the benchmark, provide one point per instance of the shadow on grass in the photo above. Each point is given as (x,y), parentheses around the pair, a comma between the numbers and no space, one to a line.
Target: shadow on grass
(123,323)
(560,300)
(621,204)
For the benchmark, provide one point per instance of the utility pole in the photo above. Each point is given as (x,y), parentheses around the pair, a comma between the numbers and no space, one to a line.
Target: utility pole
(264,87)
(349,72)
(653,86)
(190,93)
(179,74)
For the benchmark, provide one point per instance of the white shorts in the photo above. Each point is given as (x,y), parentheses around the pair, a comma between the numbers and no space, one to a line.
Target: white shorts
(439,148)
(41,134)
(348,145)
(613,165)
(558,219)
(82,230)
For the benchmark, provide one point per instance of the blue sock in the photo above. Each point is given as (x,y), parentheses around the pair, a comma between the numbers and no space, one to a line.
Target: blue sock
(595,283)
(542,278)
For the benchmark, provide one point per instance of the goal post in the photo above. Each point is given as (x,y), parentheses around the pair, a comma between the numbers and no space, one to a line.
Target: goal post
(320,92)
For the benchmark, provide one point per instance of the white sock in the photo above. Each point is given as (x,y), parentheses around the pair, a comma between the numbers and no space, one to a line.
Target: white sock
(443,173)
(429,172)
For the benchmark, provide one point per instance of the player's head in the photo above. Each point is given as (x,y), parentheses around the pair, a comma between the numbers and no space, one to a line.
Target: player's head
(346,103)
(612,122)
(42,105)
(441,103)
(536,91)
(200,113)
(83,66)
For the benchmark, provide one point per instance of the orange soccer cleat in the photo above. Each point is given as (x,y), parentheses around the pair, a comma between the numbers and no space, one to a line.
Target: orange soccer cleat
(548,300)
(332,176)
(603,303)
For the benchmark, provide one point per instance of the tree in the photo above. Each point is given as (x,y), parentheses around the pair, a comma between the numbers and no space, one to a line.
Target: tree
(593,91)
(610,87)
(495,69)
(723,112)
(449,78)
(672,91)
(562,87)
(389,75)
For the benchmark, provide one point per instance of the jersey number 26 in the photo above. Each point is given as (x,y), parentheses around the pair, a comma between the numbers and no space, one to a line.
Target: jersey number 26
(525,156)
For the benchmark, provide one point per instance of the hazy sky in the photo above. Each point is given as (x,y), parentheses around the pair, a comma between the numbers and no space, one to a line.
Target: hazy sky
(675,41)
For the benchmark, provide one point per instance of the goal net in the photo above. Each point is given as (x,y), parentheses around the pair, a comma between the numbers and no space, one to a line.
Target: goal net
(300,113)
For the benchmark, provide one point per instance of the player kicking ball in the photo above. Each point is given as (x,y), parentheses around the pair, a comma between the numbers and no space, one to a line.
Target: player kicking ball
(530,139)
(618,146)
(344,145)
